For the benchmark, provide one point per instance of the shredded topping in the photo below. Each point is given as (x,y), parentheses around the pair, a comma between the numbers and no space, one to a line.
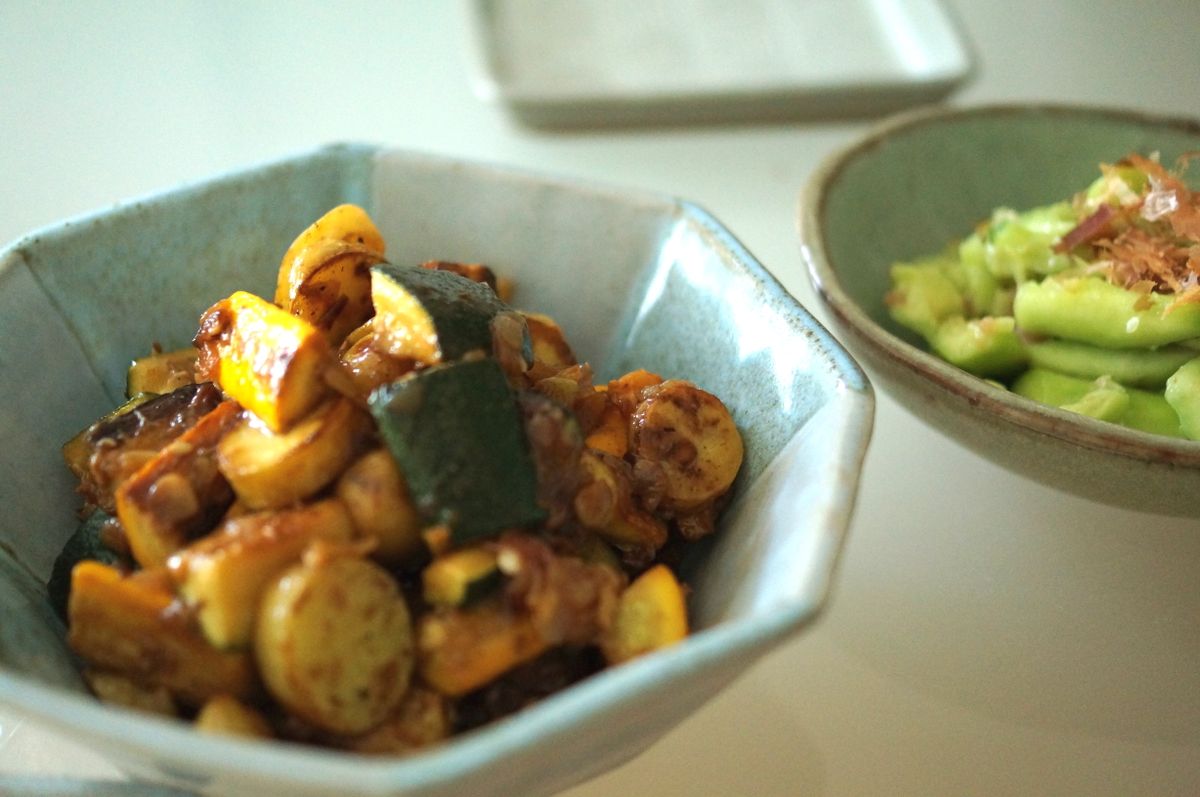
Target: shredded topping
(1147,241)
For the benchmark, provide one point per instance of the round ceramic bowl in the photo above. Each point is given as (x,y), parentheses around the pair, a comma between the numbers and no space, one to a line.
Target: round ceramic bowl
(920,180)
(664,287)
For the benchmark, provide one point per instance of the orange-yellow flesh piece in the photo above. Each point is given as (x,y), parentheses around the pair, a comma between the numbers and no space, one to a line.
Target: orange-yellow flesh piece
(131,625)
(651,614)
(269,361)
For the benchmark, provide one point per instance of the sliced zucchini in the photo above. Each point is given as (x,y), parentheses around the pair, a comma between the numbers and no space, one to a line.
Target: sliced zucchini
(268,469)
(431,316)
(130,625)
(330,287)
(223,574)
(269,361)
(457,435)
(461,577)
(161,373)
(345,224)
(691,435)
(179,493)
(93,540)
(334,642)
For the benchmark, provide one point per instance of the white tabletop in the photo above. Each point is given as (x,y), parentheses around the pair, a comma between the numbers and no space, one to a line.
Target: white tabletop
(986,635)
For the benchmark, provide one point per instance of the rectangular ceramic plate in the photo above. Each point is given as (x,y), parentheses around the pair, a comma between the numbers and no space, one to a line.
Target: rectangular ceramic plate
(597,62)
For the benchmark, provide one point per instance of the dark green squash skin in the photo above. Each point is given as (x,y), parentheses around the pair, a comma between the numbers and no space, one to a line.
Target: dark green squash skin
(86,543)
(461,309)
(457,434)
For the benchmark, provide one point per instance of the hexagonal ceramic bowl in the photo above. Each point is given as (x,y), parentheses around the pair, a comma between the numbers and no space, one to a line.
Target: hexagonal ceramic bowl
(635,280)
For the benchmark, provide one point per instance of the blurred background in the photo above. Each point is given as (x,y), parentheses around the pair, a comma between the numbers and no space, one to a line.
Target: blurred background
(986,635)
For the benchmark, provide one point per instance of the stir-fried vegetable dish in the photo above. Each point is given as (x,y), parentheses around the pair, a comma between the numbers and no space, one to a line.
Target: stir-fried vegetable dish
(381,508)
(1090,304)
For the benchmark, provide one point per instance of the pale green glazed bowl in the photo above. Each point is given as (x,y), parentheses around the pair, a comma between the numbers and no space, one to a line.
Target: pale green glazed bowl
(925,178)
(634,279)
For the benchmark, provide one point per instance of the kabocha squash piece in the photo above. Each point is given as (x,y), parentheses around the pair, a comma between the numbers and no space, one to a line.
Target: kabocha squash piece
(223,575)
(461,577)
(268,469)
(460,650)
(334,642)
(457,435)
(179,493)
(98,538)
(269,361)
(651,614)
(162,372)
(131,625)
(229,716)
(374,492)
(111,450)
(344,224)
(431,316)
(121,690)
(690,434)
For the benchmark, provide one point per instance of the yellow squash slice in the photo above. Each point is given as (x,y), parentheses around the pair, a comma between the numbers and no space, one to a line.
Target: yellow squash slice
(651,614)
(224,574)
(269,361)
(131,625)
(268,469)
(334,642)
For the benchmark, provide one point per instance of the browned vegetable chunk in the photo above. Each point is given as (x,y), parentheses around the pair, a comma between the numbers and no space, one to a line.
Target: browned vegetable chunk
(549,600)
(117,446)
(268,469)
(374,492)
(272,363)
(691,436)
(179,493)
(224,574)
(131,625)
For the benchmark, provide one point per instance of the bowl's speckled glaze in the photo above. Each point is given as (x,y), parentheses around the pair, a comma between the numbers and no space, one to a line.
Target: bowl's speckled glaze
(634,279)
(920,180)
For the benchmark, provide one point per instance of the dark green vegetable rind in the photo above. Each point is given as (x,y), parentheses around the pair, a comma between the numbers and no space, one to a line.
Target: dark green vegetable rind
(85,544)
(461,309)
(457,435)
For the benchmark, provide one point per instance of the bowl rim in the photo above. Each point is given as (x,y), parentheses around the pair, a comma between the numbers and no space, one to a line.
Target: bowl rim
(160,742)
(1014,410)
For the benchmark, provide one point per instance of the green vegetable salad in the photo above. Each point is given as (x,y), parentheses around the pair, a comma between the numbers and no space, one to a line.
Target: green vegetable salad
(1090,304)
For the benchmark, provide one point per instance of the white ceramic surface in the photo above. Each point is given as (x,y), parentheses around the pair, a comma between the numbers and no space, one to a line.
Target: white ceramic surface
(605,62)
(667,288)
